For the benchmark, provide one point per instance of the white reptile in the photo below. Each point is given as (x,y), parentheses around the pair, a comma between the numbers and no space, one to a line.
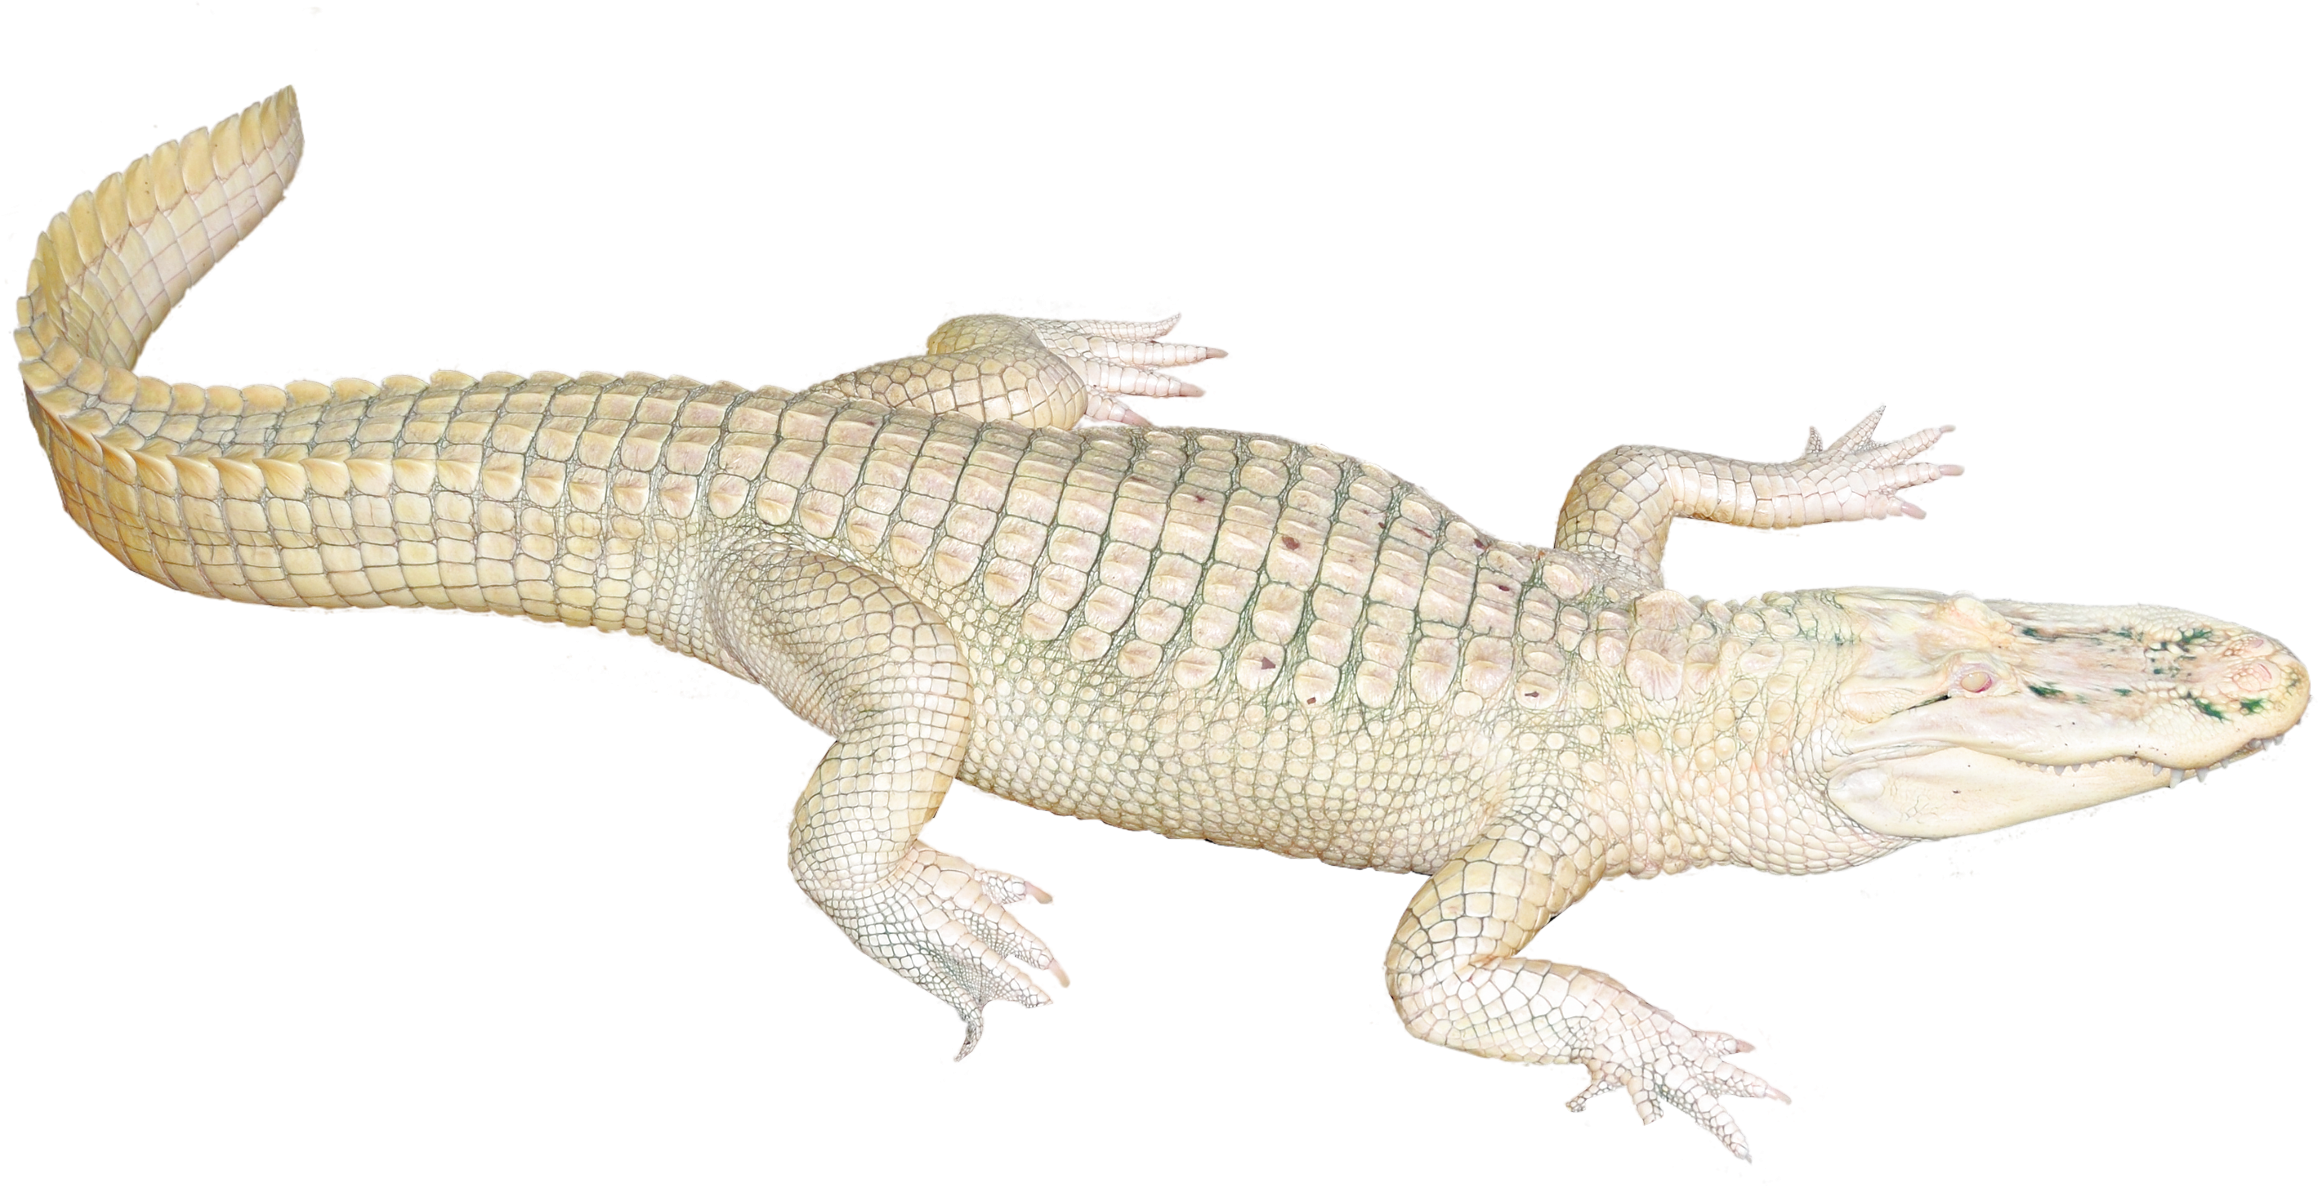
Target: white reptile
(1197,632)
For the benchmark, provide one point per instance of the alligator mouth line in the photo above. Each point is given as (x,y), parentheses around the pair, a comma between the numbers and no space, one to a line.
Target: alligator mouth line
(2099,764)
(2172,775)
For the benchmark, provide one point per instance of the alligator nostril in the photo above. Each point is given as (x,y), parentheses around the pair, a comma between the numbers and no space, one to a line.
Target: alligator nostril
(2248,644)
(2253,676)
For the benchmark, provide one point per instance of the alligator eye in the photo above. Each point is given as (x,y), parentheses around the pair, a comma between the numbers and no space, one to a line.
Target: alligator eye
(1975,680)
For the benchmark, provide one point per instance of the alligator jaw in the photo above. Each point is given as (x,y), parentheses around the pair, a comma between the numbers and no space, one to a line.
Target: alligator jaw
(1956,790)
(2030,710)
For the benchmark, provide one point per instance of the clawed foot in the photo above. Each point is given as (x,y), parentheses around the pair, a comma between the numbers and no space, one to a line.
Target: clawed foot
(942,922)
(1120,360)
(1659,1061)
(1875,471)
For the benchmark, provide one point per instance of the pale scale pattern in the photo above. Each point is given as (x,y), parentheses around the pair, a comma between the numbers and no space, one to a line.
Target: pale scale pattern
(1201,633)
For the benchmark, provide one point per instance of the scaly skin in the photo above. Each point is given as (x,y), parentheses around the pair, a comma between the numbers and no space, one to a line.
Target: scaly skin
(1201,633)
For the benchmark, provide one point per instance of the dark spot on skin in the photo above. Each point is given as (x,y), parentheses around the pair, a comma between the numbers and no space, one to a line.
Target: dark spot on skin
(1501,588)
(1291,543)
(2252,706)
(2031,632)
(1311,700)
(2199,635)
(2042,691)
(2209,708)
(1199,498)
(1267,663)
(1955,791)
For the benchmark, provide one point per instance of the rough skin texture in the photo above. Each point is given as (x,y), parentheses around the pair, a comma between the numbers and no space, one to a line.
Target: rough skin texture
(1201,633)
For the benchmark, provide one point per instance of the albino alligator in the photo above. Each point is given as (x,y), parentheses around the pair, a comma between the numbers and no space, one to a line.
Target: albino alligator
(1203,633)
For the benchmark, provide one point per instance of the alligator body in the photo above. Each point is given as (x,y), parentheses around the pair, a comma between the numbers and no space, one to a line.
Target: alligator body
(1201,633)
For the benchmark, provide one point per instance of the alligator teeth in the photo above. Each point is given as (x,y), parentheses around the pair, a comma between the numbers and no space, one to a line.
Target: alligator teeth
(2172,775)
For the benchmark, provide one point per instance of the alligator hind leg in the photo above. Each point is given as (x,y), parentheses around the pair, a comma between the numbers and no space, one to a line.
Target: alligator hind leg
(1034,369)
(857,657)
(1622,505)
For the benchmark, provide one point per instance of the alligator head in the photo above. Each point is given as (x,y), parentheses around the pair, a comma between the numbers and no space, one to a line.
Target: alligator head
(1961,716)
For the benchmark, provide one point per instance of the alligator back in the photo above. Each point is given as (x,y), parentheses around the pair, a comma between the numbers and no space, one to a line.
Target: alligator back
(1178,557)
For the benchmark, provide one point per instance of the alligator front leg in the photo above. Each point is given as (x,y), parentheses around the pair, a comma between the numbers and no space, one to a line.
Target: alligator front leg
(1457,977)
(856,656)
(1621,506)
